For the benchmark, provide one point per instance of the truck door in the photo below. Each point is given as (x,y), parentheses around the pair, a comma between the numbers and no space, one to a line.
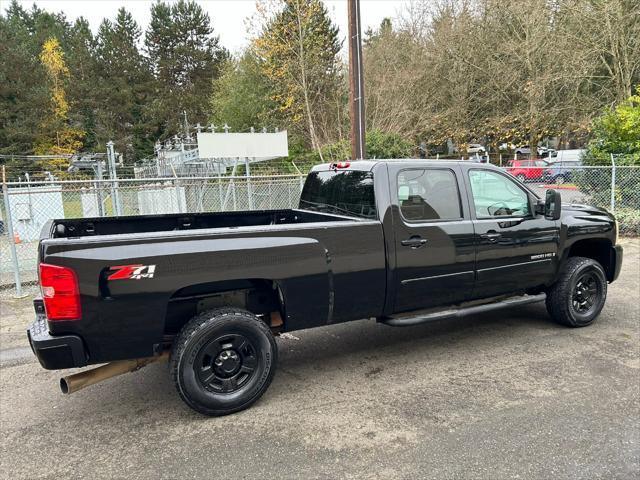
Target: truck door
(515,248)
(433,237)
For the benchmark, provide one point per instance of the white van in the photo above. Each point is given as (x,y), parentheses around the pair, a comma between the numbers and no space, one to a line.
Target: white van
(569,155)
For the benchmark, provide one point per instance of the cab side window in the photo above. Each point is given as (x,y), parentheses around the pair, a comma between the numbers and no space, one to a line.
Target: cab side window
(496,195)
(428,194)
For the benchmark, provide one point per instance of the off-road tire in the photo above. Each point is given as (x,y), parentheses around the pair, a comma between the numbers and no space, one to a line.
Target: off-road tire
(560,297)
(202,334)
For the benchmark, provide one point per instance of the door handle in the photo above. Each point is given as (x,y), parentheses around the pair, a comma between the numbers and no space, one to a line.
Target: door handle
(492,236)
(414,242)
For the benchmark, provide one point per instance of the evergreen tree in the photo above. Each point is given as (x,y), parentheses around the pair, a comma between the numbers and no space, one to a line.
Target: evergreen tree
(186,58)
(123,88)
(24,91)
(19,68)
(81,51)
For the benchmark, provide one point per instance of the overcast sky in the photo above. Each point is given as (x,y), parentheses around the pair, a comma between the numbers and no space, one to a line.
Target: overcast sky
(227,16)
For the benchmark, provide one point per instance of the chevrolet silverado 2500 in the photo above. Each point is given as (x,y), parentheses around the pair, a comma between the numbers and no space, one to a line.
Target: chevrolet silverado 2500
(403,242)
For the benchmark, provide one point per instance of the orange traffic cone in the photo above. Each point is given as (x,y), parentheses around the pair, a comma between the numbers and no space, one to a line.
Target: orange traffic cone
(16,238)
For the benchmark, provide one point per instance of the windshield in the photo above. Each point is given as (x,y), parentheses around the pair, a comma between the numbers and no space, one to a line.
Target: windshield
(343,192)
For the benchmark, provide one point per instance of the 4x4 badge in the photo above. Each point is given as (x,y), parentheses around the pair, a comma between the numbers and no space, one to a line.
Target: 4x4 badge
(132,272)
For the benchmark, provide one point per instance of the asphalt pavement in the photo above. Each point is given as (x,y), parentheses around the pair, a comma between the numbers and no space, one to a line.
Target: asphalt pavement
(498,395)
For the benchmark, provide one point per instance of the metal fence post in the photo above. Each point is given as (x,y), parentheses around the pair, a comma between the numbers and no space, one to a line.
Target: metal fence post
(220,195)
(613,184)
(181,208)
(247,173)
(176,187)
(115,194)
(98,188)
(10,234)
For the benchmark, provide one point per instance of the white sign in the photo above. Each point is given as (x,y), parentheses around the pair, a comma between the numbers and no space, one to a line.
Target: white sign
(242,145)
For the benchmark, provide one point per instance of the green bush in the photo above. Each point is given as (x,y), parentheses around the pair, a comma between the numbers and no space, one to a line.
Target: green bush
(387,145)
(379,145)
(616,131)
(628,221)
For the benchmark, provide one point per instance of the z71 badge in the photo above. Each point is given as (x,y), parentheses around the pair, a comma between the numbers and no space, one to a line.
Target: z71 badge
(131,272)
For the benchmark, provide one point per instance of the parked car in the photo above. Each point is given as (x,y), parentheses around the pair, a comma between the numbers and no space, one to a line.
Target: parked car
(562,171)
(475,148)
(550,153)
(523,150)
(526,150)
(405,242)
(527,170)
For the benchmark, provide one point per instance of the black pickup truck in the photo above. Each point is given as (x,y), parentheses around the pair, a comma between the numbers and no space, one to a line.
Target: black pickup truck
(403,242)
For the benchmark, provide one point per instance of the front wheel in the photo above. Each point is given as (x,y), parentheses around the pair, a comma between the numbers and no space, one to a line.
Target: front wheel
(577,298)
(223,361)
(521,177)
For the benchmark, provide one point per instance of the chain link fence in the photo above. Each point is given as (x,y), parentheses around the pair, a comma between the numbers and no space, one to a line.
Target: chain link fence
(27,206)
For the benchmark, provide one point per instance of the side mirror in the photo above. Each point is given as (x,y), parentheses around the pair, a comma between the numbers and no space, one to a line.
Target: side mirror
(552,205)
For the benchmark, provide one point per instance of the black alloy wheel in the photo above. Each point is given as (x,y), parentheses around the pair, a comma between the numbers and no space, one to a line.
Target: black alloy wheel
(223,360)
(585,293)
(226,363)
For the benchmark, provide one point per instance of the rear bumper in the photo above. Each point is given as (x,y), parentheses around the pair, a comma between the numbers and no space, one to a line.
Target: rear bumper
(55,353)
(616,255)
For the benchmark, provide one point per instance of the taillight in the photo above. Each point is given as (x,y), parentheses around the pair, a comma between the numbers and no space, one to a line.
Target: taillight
(60,292)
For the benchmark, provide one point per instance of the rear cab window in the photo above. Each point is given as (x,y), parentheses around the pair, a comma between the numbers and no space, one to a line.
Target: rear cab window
(349,193)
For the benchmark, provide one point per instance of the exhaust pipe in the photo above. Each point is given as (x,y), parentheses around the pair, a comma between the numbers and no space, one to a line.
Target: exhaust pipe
(78,381)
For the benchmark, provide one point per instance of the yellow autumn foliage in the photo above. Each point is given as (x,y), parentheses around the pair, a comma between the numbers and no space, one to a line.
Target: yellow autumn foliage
(52,58)
(57,135)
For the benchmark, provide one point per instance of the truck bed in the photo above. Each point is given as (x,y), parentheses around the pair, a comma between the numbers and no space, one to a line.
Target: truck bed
(82,227)
(318,261)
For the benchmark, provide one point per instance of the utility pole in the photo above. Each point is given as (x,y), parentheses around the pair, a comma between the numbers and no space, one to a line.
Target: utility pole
(356,83)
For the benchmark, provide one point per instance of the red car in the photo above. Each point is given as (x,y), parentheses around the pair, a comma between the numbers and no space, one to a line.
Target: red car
(527,170)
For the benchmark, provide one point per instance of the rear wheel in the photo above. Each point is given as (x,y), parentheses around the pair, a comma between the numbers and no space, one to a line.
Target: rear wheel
(223,361)
(521,177)
(577,298)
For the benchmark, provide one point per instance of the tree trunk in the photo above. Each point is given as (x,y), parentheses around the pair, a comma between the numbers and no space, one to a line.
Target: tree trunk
(303,72)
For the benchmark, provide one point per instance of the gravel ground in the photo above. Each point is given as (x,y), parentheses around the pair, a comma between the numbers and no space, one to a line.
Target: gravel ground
(503,395)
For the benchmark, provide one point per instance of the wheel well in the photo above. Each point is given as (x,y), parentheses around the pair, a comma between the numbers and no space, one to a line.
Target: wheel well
(596,249)
(259,296)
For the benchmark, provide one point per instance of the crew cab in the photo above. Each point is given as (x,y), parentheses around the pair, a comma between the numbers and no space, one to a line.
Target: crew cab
(402,242)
